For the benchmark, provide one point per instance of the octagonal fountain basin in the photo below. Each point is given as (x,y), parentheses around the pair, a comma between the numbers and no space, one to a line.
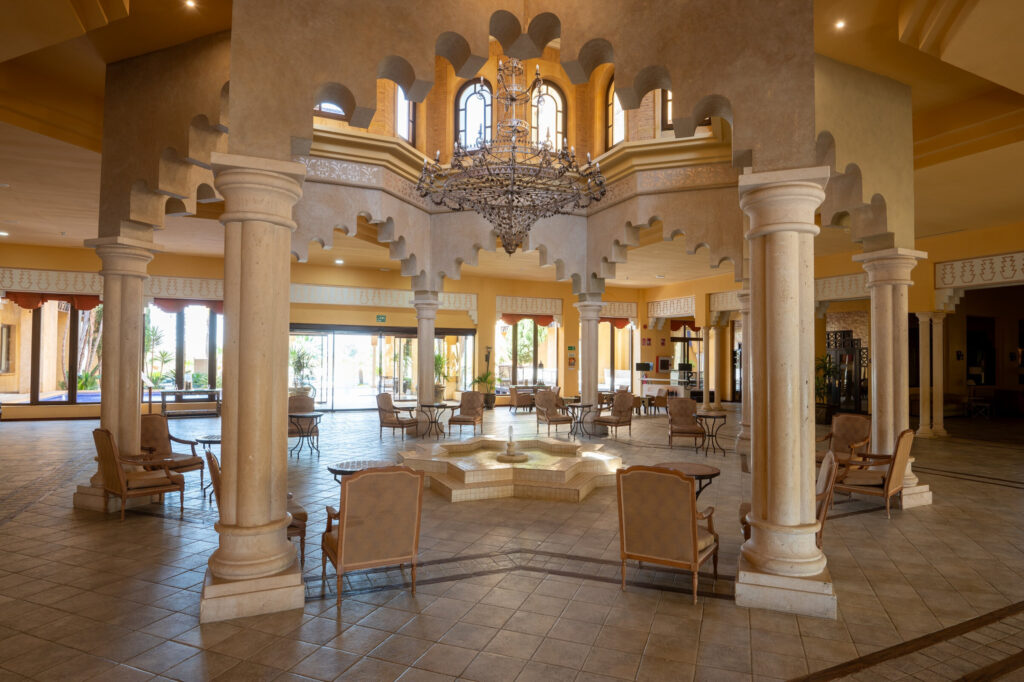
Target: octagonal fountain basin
(552,469)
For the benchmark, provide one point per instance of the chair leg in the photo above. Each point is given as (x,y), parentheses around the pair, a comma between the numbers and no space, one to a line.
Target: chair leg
(714,562)
(623,575)
(302,551)
(124,503)
(887,514)
(181,503)
(339,586)
(202,477)
(695,587)
(414,578)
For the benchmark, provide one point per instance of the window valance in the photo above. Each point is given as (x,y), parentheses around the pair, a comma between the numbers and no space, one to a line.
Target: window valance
(30,300)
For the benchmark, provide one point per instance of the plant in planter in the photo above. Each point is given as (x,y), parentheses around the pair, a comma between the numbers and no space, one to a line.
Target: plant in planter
(303,362)
(485,383)
(826,374)
(440,376)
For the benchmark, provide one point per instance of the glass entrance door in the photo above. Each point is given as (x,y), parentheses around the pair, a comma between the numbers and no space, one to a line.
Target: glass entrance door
(355,371)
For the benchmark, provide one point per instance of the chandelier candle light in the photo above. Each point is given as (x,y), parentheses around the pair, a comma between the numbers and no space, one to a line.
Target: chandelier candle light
(511,180)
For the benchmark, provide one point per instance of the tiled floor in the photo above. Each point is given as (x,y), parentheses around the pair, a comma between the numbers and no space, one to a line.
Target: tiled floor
(509,589)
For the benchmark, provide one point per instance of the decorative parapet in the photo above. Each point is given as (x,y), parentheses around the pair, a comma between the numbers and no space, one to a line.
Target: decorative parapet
(526,305)
(318,294)
(75,282)
(725,301)
(841,288)
(684,306)
(627,309)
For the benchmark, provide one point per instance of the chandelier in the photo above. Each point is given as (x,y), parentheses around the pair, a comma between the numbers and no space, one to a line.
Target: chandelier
(512,180)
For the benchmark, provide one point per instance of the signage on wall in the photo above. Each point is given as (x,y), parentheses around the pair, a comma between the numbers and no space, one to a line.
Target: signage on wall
(382,318)
(572,362)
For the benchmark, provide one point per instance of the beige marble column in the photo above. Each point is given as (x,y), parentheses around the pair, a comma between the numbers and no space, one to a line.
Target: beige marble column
(743,435)
(254,570)
(426,304)
(781,567)
(721,361)
(589,307)
(124,274)
(705,365)
(938,374)
(924,349)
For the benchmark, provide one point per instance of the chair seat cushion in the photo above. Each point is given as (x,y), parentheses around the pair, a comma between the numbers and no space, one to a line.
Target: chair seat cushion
(864,477)
(329,545)
(687,429)
(297,511)
(611,421)
(555,418)
(293,431)
(464,419)
(179,461)
(704,538)
(152,479)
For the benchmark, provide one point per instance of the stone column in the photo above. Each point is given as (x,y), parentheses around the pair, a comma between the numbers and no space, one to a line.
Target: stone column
(721,361)
(743,435)
(924,348)
(426,304)
(589,307)
(781,566)
(124,272)
(705,365)
(254,570)
(938,372)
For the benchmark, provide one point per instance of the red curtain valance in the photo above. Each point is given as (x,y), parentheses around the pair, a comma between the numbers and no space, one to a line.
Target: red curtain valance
(176,305)
(31,300)
(679,324)
(617,322)
(539,320)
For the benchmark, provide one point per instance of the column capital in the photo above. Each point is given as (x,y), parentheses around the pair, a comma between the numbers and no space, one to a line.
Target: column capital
(589,309)
(890,266)
(123,256)
(924,317)
(783,201)
(259,189)
(938,316)
(426,304)
(743,296)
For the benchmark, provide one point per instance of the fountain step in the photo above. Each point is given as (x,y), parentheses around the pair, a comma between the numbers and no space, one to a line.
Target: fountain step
(563,472)
(574,490)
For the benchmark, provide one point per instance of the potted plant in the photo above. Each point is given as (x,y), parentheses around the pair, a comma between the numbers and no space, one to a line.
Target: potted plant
(302,361)
(485,383)
(825,376)
(440,376)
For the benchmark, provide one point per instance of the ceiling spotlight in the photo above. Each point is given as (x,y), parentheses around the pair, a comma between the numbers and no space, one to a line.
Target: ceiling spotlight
(384,269)
(840,24)
(5,185)
(339,262)
(4,234)
(190,4)
(659,277)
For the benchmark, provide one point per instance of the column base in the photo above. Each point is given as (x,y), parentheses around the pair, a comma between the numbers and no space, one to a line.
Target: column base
(90,497)
(924,432)
(915,496)
(939,432)
(225,599)
(810,596)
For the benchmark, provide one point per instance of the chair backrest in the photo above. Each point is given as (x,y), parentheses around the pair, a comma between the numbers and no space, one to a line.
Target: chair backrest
(823,488)
(898,463)
(110,466)
(657,513)
(472,404)
(386,409)
(848,429)
(622,405)
(661,398)
(300,403)
(682,412)
(513,394)
(214,466)
(546,401)
(154,435)
(380,516)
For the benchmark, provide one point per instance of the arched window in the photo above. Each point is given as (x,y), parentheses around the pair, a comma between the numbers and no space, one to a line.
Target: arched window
(329,110)
(615,118)
(666,110)
(547,116)
(405,116)
(473,112)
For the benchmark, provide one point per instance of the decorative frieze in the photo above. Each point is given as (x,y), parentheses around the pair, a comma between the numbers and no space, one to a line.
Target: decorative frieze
(527,305)
(684,306)
(627,309)
(841,288)
(73,282)
(725,301)
(977,273)
(376,298)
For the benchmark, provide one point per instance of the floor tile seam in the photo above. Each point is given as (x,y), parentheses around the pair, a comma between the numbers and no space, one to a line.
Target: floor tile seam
(968,476)
(915,645)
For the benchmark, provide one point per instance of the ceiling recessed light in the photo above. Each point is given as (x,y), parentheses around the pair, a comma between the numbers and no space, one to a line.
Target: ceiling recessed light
(659,277)
(384,269)
(840,24)
(190,3)
(338,261)
(5,185)
(4,234)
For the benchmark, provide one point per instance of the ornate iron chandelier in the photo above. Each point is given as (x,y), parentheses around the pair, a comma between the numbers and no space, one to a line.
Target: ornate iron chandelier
(512,181)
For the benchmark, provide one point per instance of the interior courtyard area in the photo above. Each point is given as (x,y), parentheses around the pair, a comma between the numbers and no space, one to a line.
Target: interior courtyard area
(511,340)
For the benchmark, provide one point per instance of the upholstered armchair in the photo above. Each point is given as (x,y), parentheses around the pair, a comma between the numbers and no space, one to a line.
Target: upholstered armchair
(298,404)
(156,443)
(858,477)
(389,418)
(125,484)
(471,412)
(850,434)
(682,421)
(658,521)
(621,414)
(297,527)
(549,411)
(661,400)
(378,522)
(519,400)
(824,489)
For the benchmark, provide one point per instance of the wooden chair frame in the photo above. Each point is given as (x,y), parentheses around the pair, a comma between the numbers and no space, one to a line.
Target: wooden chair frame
(115,470)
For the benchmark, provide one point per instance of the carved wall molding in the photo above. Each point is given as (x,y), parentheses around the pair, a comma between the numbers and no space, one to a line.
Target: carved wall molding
(627,309)
(526,305)
(75,282)
(684,306)
(319,294)
(842,287)
(981,272)
(725,301)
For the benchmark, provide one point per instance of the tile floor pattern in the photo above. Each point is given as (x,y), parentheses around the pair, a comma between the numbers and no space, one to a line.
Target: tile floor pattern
(510,589)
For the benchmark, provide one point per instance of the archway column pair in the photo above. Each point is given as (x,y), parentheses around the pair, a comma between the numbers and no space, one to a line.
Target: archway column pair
(888,283)
(124,272)
(254,569)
